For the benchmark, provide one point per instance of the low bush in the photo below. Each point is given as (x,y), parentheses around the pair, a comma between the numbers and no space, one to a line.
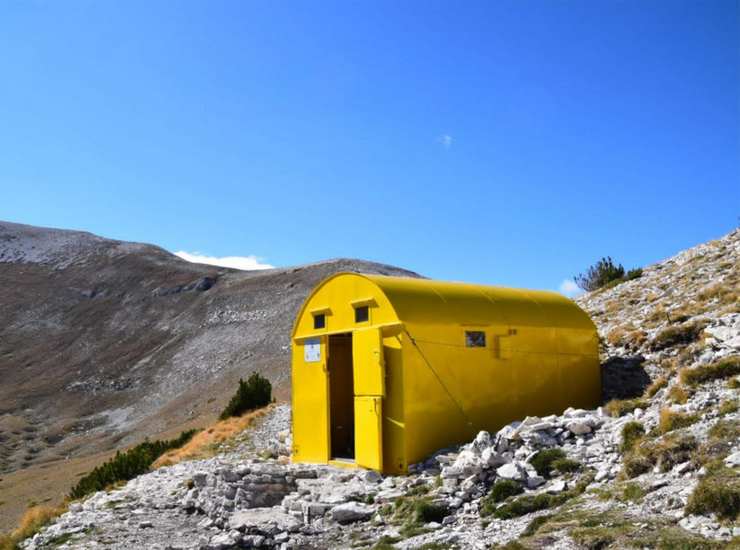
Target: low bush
(678,334)
(256,392)
(604,274)
(527,504)
(632,432)
(411,513)
(543,460)
(127,465)
(500,491)
(723,368)
(566,465)
(718,493)
(673,420)
(620,407)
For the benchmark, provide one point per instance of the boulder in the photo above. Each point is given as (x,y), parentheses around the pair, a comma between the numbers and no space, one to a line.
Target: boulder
(352,511)
(511,471)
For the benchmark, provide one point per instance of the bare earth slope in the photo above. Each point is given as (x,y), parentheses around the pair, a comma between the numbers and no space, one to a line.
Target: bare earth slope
(105,342)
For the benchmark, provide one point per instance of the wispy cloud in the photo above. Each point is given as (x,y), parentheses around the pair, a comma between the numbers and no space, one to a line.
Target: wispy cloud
(246,263)
(570,288)
(445,140)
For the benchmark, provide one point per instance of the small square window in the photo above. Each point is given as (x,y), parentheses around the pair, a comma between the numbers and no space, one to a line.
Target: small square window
(319,320)
(475,339)
(362,314)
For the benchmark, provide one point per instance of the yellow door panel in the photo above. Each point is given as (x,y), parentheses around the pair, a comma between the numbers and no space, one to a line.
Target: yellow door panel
(368,432)
(310,418)
(368,360)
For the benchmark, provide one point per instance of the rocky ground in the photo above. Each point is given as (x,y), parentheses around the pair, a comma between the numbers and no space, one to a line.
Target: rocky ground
(656,467)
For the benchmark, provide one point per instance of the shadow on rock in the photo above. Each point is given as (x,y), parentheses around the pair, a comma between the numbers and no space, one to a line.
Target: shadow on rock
(623,378)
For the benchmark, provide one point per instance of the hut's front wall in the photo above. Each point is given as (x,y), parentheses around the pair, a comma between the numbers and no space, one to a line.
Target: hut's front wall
(311,381)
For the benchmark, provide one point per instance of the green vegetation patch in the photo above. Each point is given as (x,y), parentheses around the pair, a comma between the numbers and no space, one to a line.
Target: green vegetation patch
(723,368)
(718,492)
(566,465)
(728,407)
(612,529)
(127,465)
(528,504)
(664,453)
(632,433)
(500,491)
(543,461)
(256,392)
(605,274)
(412,513)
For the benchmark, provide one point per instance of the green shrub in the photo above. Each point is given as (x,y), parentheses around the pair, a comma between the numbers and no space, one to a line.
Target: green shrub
(723,368)
(566,465)
(543,460)
(718,493)
(500,491)
(632,432)
(533,503)
(678,334)
(411,513)
(605,273)
(256,392)
(127,465)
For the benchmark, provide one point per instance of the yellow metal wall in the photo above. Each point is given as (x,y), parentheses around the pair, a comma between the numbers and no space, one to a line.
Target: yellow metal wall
(541,356)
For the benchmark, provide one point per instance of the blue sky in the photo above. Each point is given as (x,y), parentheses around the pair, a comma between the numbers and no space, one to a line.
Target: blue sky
(503,142)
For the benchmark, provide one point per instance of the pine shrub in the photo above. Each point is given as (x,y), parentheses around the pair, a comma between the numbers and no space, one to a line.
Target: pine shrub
(256,392)
(605,273)
(127,465)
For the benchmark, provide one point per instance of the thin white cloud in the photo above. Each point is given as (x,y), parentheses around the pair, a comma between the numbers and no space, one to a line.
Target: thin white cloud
(445,140)
(246,263)
(570,288)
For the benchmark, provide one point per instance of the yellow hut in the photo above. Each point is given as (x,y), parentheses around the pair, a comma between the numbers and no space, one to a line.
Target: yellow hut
(386,370)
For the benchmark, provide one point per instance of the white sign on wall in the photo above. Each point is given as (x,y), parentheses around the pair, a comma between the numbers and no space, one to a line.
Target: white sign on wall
(312,350)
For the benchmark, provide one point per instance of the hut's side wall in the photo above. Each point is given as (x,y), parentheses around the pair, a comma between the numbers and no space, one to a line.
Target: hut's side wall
(452,391)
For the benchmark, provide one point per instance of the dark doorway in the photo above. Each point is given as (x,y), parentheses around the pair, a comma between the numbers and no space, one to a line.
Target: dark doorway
(341,397)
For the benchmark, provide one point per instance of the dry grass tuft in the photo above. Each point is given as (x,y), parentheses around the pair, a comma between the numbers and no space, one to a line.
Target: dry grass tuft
(657,385)
(678,334)
(31,523)
(723,368)
(620,407)
(678,394)
(673,420)
(205,444)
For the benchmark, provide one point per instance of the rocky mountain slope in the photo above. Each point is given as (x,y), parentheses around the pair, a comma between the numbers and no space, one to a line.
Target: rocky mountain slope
(104,342)
(656,468)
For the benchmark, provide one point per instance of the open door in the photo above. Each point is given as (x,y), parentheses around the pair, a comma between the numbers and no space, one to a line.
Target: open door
(369,432)
(369,387)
